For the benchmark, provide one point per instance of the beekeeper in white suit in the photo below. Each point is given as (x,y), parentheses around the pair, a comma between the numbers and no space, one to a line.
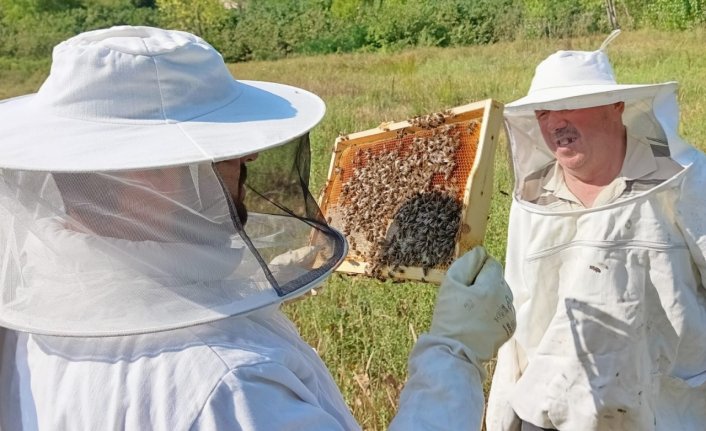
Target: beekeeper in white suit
(155,213)
(606,247)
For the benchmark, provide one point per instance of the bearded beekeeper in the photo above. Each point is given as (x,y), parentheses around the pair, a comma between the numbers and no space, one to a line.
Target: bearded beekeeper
(606,247)
(155,213)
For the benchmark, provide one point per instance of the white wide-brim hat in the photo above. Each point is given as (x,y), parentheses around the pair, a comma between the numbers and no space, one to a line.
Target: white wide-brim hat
(579,79)
(142,97)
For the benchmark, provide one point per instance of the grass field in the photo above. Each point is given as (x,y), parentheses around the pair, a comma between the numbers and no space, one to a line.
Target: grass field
(362,328)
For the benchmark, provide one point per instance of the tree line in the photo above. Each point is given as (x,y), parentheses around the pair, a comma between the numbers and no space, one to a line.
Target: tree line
(267,29)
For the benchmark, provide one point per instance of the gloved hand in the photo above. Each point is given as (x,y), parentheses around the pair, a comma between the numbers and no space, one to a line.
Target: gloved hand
(474,305)
(302,257)
(294,264)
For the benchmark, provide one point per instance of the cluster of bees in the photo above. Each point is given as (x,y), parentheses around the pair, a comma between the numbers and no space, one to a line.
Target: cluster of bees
(429,121)
(423,232)
(398,207)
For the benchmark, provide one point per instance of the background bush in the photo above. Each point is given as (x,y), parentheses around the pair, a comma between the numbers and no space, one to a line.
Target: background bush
(31,28)
(563,18)
(675,15)
(269,29)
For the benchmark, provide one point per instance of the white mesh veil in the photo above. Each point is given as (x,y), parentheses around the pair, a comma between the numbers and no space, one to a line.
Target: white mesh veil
(123,252)
(121,196)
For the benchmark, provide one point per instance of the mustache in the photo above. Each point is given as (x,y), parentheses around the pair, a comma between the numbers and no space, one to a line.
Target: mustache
(565,132)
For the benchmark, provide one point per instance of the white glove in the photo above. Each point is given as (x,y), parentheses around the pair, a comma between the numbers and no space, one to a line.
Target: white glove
(474,305)
(294,264)
(303,257)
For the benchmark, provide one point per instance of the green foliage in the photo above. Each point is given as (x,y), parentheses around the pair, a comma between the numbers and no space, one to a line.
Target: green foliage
(21,76)
(14,9)
(31,28)
(663,14)
(440,23)
(564,18)
(102,16)
(269,29)
(348,9)
(206,18)
(201,17)
(675,14)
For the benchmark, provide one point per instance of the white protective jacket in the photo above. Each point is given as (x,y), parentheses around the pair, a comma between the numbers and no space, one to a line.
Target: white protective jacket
(250,372)
(611,306)
(244,373)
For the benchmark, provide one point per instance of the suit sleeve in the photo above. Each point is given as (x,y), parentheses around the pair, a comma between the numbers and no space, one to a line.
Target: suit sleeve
(444,390)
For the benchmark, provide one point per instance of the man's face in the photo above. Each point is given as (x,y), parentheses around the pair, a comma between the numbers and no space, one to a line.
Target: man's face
(584,140)
(234,173)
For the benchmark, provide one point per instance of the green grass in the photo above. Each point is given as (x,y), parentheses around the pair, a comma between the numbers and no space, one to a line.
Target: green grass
(363,329)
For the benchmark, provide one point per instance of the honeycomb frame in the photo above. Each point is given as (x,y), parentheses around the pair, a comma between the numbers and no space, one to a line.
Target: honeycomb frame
(474,181)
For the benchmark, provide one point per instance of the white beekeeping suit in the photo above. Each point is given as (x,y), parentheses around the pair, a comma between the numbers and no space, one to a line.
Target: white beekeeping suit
(610,300)
(155,214)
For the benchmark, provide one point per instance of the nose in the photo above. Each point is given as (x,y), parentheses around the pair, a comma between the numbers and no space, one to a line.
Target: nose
(556,120)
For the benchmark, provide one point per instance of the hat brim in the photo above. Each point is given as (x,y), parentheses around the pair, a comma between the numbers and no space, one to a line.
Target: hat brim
(583,96)
(264,115)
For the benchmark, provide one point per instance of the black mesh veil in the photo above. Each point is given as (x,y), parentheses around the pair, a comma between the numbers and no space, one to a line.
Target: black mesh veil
(278,189)
(120,252)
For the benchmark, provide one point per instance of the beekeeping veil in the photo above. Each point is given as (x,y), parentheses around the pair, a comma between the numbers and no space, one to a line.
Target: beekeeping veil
(583,79)
(120,197)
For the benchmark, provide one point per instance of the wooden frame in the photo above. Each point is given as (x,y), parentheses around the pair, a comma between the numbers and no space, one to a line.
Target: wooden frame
(475,196)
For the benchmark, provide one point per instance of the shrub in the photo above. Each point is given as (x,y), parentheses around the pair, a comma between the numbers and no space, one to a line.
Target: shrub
(563,18)
(268,29)
(34,31)
(674,14)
